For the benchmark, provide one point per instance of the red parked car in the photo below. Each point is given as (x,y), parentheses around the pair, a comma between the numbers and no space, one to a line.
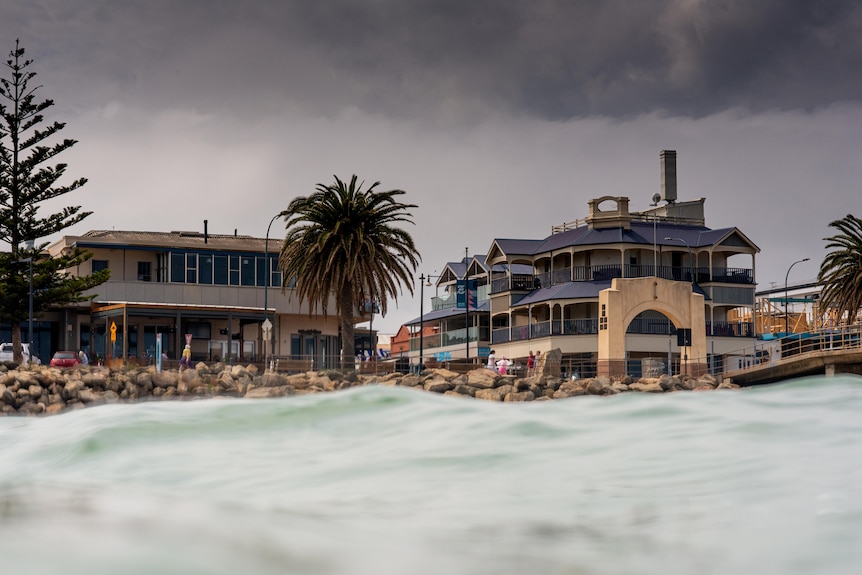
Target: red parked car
(64,359)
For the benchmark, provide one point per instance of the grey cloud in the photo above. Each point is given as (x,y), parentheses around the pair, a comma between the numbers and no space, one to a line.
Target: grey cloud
(549,59)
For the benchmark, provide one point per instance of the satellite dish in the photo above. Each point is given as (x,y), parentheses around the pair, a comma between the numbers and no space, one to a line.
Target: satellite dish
(656,198)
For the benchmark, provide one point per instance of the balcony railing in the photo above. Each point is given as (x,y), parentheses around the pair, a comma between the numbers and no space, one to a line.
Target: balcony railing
(454,337)
(527,282)
(640,326)
(730,329)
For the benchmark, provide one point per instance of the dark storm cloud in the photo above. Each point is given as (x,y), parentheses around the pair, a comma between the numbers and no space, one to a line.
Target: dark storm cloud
(545,59)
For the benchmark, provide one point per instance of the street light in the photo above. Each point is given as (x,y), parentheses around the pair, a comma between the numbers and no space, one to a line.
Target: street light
(786,303)
(655,200)
(690,257)
(28,245)
(267,275)
(467,304)
(691,265)
(421,321)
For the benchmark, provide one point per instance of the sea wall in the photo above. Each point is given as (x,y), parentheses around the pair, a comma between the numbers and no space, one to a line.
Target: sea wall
(46,390)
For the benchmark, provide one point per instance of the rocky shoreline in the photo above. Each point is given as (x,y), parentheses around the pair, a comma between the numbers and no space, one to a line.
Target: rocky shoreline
(39,390)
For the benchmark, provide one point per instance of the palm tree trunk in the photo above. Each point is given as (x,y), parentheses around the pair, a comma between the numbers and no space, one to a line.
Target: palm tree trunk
(345,308)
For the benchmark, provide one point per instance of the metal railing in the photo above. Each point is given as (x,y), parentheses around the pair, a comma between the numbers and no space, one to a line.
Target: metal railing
(447,338)
(527,282)
(590,326)
(795,345)
(730,329)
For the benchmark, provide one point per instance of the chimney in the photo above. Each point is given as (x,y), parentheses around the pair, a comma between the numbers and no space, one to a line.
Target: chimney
(206,234)
(668,175)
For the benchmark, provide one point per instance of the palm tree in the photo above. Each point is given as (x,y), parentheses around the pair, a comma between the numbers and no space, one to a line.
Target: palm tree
(841,271)
(342,241)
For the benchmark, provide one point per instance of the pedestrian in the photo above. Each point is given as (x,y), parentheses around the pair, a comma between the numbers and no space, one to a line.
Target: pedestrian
(82,358)
(503,365)
(186,360)
(531,363)
(492,364)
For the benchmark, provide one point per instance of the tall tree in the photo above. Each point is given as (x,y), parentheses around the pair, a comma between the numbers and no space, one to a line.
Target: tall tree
(343,241)
(26,182)
(840,274)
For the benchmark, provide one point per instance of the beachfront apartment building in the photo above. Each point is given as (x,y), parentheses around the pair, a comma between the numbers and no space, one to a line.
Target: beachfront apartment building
(216,289)
(617,292)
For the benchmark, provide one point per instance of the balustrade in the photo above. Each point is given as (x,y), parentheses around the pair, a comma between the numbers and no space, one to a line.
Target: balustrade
(527,282)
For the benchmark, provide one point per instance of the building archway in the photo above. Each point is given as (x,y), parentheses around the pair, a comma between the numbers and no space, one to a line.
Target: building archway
(628,297)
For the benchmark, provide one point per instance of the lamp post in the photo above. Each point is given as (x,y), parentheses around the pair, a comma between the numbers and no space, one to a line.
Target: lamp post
(421,321)
(267,276)
(655,201)
(691,265)
(786,302)
(690,256)
(467,302)
(29,245)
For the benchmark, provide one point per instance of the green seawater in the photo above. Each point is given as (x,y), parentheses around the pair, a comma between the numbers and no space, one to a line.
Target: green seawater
(385,480)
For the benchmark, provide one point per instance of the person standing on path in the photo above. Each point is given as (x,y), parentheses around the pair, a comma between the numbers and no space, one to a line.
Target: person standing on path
(186,360)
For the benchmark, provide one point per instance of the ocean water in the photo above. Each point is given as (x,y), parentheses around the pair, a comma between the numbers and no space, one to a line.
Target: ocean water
(385,480)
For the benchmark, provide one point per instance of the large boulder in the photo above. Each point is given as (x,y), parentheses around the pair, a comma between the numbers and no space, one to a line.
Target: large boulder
(519,396)
(164,379)
(299,380)
(438,385)
(409,381)
(482,378)
(489,395)
(598,385)
(646,386)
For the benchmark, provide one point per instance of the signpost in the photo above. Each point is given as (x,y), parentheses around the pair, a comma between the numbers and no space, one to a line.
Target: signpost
(266,327)
(158,352)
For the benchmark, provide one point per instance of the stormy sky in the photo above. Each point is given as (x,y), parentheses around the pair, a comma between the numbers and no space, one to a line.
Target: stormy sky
(499,118)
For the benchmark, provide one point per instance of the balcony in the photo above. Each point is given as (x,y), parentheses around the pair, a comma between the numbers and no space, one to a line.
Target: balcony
(640,326)
(448,338)
(528,282)
(449,300)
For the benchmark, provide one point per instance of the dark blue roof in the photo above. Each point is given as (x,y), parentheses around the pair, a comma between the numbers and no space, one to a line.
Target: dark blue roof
(571,290)
(640,233)
(575,290)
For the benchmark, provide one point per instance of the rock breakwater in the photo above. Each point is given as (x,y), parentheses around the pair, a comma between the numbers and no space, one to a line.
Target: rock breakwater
(41,390)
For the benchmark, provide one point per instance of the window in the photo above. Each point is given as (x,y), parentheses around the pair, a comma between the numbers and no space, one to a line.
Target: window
(205,269)
(191,268)
(234,270)
(276,274)
(162,265)
(261,273)
(220,270)
(99,265)
(144,271)
(178,267)
(295,346)
(247,267)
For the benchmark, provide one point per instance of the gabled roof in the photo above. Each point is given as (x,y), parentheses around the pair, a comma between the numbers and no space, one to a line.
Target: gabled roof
(170,240)
(640,233)
(510,247)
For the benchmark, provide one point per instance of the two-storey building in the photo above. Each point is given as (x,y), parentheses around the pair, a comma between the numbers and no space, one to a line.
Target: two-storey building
(220,291)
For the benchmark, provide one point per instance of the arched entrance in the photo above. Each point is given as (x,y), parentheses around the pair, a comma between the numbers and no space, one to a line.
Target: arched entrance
(628,297)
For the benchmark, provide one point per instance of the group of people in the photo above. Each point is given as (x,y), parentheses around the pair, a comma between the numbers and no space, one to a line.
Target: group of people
(503,365)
